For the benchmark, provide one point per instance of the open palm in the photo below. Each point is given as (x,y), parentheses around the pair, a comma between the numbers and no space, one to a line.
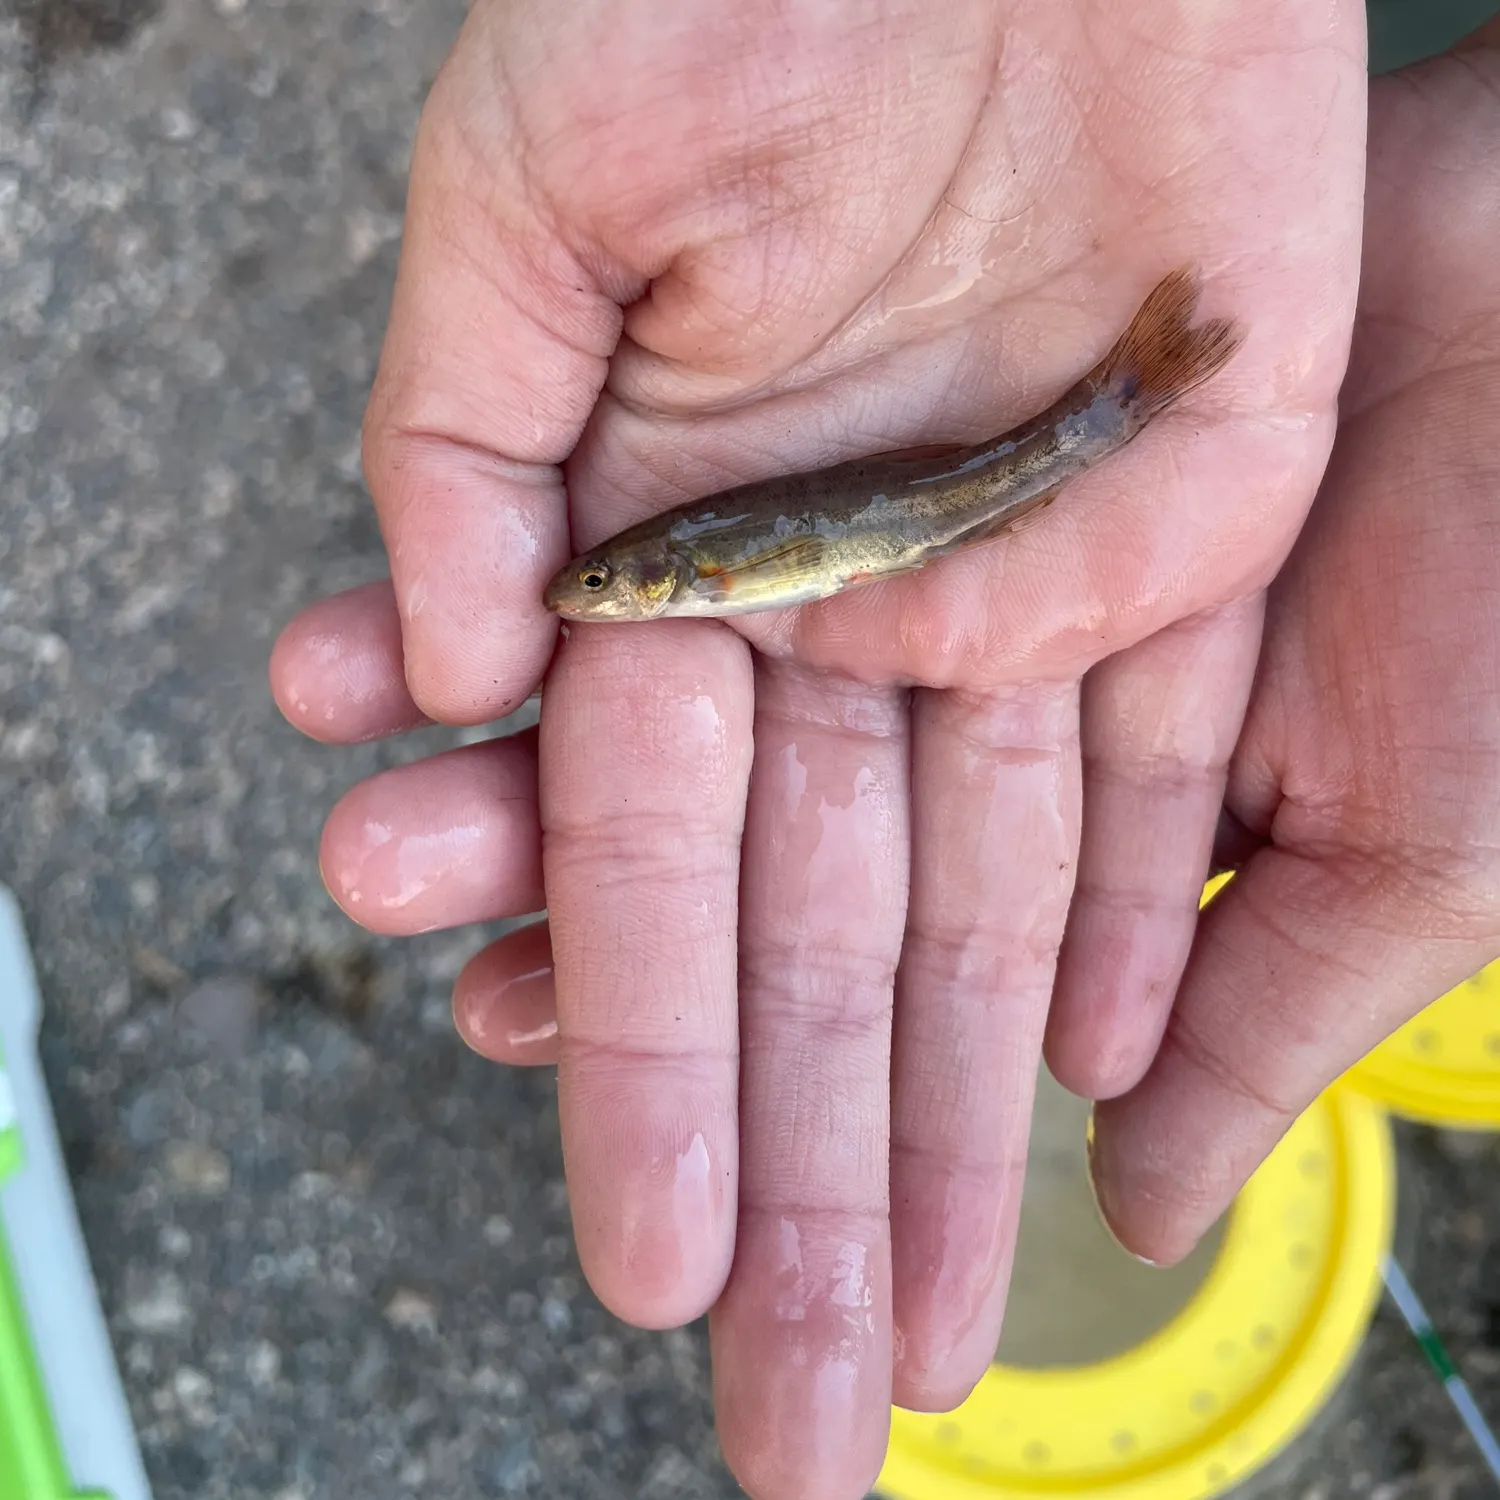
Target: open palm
(807,878)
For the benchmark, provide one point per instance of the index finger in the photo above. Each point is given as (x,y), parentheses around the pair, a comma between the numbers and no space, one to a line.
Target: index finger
(497,347)
(645,763)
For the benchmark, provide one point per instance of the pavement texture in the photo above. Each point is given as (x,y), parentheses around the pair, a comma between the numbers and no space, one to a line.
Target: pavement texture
(334,1247)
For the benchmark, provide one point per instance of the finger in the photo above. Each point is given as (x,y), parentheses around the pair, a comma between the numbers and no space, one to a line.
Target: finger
(442,843)
(1160,722)
(995,786)
(496,349)
(1300,967)
(646,745)
(802,1335)
(505,1004)
(337,673)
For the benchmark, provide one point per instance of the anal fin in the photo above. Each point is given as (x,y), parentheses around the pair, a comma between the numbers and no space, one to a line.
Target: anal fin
(1007,523)
(1028,515)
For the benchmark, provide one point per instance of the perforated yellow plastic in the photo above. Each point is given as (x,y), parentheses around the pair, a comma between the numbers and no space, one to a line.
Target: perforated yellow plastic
(1443,1066)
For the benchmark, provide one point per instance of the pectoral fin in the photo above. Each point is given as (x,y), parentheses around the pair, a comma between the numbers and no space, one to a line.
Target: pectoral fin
(792,563)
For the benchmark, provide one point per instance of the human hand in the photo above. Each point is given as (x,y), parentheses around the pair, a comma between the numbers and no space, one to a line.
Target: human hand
(800,1011)
(1365,793)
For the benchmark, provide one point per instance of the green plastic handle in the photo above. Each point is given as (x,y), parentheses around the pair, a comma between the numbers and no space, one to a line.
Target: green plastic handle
(31,1461)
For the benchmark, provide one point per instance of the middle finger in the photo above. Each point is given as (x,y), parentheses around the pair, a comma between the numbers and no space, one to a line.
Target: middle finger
(802,1335)
(996,795)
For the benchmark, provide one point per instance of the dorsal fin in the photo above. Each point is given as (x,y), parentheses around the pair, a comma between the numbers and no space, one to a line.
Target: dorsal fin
(923,453)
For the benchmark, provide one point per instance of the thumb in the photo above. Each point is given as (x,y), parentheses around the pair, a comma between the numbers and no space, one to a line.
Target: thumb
(497,347)
(1300,967)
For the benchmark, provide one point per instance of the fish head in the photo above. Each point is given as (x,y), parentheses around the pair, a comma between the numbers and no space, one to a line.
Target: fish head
(631,583)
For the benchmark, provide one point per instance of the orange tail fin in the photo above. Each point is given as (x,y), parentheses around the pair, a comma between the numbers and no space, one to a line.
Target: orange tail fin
(1162,355)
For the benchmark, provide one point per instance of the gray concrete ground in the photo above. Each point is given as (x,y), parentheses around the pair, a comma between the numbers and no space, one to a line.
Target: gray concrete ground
(334,1248)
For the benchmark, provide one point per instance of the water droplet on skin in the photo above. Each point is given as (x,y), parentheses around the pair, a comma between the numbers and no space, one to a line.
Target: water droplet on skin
(702,725)
(851,1286)
(934,285)
(543,1033)
(791,1296)
(693,1207)
(423,861)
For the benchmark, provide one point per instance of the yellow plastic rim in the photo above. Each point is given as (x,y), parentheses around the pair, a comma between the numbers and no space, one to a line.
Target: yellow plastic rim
(1222,1388)
(1443,1066)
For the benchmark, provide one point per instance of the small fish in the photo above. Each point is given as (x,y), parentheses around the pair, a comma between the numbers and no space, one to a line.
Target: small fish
(803,537)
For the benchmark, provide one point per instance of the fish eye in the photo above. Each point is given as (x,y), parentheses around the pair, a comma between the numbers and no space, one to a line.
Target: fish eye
(595,576)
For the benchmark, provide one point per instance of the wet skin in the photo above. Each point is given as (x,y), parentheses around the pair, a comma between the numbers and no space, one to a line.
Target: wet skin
(808,875)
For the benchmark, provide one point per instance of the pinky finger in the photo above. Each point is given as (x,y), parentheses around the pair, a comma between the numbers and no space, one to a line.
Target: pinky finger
(505,1004)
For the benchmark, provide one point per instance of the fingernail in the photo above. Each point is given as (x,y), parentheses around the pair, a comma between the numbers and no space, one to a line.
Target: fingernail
(1109,1229)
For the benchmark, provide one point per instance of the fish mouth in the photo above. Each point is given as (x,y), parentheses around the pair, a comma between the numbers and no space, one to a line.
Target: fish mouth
(563,597)
(555,597)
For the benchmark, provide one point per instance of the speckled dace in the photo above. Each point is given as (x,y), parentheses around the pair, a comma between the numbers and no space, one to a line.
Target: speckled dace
(804,537)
